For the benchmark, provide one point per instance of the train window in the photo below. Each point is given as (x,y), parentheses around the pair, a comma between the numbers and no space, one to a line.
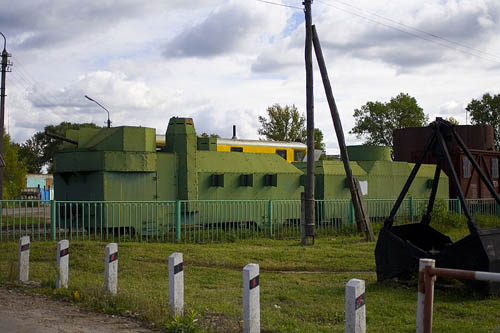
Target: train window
(466,167)
(246,180)
(298,155)
(494,167)
(217,180)
(237,149)
(271,180)
(281,152)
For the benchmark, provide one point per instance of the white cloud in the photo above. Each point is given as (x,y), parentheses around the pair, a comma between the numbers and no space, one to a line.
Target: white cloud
(228,60)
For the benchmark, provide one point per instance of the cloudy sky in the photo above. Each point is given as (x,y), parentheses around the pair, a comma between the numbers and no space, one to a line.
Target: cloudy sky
(223,62)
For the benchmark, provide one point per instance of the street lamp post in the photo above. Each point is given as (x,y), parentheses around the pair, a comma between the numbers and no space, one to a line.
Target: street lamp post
(90,99)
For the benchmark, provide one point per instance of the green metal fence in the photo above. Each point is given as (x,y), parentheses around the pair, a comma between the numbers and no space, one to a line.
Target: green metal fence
(200,221)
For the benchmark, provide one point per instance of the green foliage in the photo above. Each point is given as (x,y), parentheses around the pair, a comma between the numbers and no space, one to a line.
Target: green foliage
(14,173)
(39,150)
(185,324)
(30,152)
(287,124)
(453,120)
(444,219)
(318,140)
(487,111)
(212,135)
(376,120)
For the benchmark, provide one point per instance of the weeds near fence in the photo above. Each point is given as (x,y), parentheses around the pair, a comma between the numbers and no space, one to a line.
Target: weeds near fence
(187,323)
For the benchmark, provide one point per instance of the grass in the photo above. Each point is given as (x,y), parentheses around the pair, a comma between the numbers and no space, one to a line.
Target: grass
(302,288)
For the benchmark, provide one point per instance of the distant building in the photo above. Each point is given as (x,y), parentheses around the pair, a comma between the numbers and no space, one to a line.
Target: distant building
(409,144)
(38,187)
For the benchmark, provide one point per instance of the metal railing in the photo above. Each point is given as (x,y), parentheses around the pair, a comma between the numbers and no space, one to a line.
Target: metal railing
(201,220)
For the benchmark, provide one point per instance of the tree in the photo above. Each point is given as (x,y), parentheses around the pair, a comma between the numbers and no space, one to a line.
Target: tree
(453,120)
(487,111)
(14,172)
(32,151)
(39,150)
(212,135)
(287,124)
(376,120)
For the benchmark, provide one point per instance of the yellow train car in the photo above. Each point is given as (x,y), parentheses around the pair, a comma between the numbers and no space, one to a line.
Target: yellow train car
(290,151)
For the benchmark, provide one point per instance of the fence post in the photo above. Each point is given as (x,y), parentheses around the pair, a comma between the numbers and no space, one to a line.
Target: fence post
(178,220)
(459,207)
(53,220)
(176,284)
(62,264)
(111,268)
(498,210)
(251,299)
(422,291)
(23,259)
(270,215)
(410,206)
(351,212)
(355,309)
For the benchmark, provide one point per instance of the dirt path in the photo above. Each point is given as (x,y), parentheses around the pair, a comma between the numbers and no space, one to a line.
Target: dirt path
(27,313)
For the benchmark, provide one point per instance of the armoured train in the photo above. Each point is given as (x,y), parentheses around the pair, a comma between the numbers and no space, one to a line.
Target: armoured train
(123,164)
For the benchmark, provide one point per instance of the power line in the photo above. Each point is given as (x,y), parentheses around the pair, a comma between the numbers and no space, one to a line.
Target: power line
(279,4)
(47,95)
(37,98)
(408,33)
(417,29)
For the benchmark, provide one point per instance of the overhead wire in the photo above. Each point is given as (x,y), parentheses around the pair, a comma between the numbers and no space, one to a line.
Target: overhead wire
(38,99)
(416,29)
(47,95)
(279,4)
(408,32)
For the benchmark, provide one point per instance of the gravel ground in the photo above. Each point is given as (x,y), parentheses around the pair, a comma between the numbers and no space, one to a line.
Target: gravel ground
(26,313)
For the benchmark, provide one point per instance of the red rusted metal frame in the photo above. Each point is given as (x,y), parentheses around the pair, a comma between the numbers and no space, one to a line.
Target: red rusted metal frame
(426,280)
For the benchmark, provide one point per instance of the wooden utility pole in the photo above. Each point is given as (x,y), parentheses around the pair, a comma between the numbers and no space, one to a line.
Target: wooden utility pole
(5,63)
(309,198)
(360,211)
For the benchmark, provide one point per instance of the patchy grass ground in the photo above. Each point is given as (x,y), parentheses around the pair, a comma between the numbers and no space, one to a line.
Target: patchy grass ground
(302,288)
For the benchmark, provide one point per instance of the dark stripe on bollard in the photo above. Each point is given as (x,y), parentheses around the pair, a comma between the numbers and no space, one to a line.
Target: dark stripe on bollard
(254,282)
(64,252)
(113,257)
(25,247)
(178,268)
(360,301)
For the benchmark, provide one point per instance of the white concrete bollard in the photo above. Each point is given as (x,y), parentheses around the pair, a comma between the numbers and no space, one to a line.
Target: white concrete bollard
(421,293)
(176,284)
(62,264)
(251,299)
(111,268)
(23,259)
(355,309)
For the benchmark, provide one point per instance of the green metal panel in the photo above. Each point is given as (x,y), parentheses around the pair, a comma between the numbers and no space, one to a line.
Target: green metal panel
(78,186)
(82,136)
(130,186)
(385,179)
(234,164)
(181,139)
(167,176)
(124,138)
(84,161)
(207,143)
(369,153)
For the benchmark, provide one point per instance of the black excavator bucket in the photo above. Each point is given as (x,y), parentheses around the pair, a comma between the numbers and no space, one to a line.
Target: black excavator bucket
(399,248)
(475,252)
